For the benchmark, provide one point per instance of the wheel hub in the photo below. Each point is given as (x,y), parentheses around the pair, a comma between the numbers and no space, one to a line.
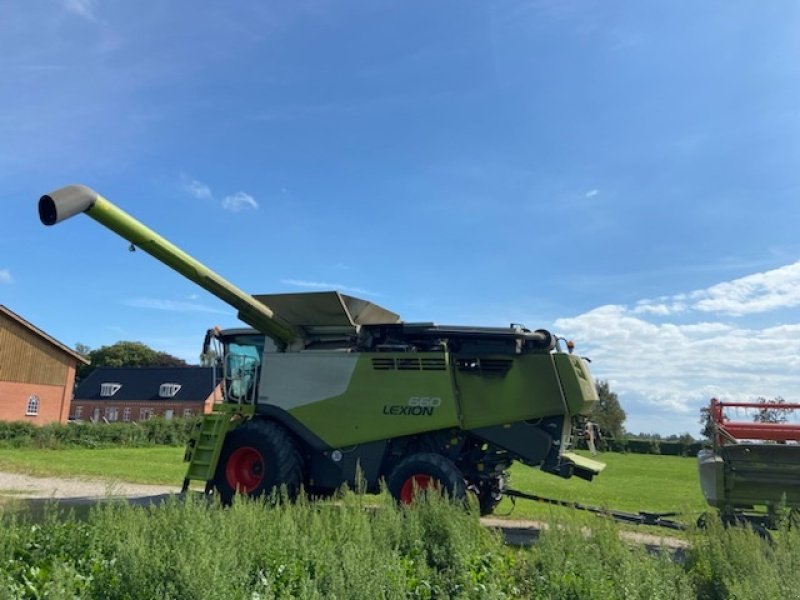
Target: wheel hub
(245,469)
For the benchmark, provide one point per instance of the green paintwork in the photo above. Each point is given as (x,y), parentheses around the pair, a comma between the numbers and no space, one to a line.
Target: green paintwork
(358,416)
(209,437)
(747,475)
(250,310)
(578,384)
(528,390)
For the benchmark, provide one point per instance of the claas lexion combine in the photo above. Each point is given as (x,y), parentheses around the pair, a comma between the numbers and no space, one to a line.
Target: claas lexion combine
(326,388)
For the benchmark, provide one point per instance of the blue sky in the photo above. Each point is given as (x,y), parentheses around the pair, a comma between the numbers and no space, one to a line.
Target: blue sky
(624,173)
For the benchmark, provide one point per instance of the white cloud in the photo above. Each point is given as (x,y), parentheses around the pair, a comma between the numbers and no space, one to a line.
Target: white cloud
(5,276)
(760,292)
(172,306)
(757,293)
(327,286)
(668,370)
(198,189)
(592,193)
(83,8)
(239,201)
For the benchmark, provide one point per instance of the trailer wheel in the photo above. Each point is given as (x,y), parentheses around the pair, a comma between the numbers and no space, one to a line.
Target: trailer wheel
(425,471)
(257,458)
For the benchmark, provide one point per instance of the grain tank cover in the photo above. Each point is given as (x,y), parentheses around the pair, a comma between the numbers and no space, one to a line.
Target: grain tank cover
(327,312)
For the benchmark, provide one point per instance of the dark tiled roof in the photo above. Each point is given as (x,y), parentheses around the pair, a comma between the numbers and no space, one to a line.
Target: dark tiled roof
(143,383)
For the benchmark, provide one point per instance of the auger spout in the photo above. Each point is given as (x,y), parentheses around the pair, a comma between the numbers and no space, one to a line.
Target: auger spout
(74,199)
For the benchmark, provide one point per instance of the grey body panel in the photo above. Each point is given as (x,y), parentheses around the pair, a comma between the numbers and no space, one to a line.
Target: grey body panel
(290,380)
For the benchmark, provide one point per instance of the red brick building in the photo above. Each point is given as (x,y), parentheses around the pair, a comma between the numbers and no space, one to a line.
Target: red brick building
(139,393)
(37,372)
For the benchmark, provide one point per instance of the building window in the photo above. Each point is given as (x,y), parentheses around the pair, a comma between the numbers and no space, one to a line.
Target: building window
(111,413)
(168,390)
(145,413)
(33,406)
(187,412)
(77,413)
(109,389)
(126,414)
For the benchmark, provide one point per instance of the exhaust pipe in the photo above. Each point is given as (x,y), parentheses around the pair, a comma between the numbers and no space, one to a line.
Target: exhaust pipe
(71,200)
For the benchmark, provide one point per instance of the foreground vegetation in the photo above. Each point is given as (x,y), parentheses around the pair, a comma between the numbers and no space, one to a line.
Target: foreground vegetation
(630,482)
(345,549)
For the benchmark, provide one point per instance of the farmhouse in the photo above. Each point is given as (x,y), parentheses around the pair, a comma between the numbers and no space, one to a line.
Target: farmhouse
(37,372)
(139,393)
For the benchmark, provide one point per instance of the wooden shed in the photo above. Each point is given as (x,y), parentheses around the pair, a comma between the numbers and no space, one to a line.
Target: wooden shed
(37,372)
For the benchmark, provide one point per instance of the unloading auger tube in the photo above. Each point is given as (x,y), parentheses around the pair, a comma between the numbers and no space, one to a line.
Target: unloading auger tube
(70,200)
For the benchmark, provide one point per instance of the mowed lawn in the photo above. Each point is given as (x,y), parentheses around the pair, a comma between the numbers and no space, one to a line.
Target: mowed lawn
(161,465)
(630,482)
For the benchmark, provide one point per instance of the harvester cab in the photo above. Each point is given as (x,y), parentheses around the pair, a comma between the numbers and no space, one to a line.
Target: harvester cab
(327,388)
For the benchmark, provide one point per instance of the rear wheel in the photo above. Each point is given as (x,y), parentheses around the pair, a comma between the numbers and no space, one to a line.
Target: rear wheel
(256,459)
(425,471)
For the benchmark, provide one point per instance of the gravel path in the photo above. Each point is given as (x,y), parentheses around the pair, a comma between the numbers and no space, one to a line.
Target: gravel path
(16,485)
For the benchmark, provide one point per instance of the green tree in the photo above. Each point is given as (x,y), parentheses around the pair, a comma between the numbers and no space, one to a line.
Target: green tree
(608,414)
(128,354)
(770,415)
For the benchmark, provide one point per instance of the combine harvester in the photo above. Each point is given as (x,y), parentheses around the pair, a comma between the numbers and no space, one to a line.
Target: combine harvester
(324,384)
(752,473)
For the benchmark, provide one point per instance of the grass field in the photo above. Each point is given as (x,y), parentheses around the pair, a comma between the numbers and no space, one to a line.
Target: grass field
(630,482)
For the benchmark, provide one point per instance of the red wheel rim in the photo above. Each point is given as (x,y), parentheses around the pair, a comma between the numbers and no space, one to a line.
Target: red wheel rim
(245,469)
(414,484)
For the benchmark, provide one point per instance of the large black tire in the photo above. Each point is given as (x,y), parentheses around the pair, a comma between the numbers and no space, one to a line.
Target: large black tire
(424,471)
(257,458)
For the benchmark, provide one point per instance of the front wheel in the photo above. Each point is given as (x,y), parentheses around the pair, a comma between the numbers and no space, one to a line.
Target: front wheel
(256,459)
(425,471)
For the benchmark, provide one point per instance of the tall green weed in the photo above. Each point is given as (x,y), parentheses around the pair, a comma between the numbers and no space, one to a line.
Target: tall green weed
(347,547)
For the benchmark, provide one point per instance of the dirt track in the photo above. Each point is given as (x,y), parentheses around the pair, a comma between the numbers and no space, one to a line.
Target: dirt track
(16,485)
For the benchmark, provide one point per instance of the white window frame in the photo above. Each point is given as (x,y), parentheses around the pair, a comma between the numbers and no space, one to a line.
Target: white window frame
(126,414)
(109,389)
(112,413)
(78,412)
(145,414)
(168,390)
(187,412)
(32,409)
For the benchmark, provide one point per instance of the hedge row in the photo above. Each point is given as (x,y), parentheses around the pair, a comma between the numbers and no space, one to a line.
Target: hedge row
(175,432)
(155,432)
(643,446)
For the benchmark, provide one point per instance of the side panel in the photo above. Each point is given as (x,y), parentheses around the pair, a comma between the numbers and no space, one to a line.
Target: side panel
(290,380)
(577,383)
(388,395)
(504,389)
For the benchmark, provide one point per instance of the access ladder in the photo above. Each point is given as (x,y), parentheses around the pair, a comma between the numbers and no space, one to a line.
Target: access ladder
(205,445)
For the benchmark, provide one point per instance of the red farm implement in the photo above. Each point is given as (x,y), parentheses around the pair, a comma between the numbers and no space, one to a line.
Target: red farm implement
(752,473)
